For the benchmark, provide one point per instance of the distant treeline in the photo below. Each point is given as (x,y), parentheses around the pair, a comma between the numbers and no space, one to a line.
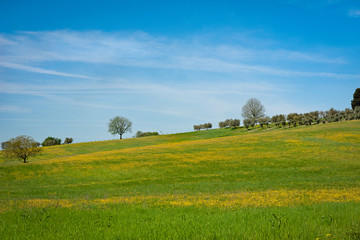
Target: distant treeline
(315,117)
(229,123)
(49,141)
(202,126)
(145,134)
(292,119)
(296,119)
(253,113)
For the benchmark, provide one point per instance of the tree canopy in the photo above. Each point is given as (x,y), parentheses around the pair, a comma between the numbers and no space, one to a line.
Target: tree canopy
(21,147)
(51,141)
(119,125)
(253,110)
(356,100)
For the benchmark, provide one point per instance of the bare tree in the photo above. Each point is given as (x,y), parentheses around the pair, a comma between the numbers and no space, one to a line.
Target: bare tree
(253,110)
(119,125)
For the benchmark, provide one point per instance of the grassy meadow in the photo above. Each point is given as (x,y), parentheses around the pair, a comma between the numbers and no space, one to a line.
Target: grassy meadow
(272,183)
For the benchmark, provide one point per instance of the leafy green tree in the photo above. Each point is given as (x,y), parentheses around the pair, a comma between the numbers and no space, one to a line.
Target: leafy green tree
(356,100)
(227,122)
(51,141)
(264,121)
(3,144)
(293,118)
(247,123)
(145,134)
(234,123)
(68,140)
(357,112)
(267,121)
(119,125)
(331,115)
(278,119)
(253,110)
(21,147)
(274,120)
(314,115)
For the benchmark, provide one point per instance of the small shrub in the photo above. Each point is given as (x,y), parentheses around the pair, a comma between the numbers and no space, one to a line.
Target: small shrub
(51,141)
(145,134)
(68,140)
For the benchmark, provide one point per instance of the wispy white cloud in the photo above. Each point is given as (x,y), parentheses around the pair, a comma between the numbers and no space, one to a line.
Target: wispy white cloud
(122,86)
(355,13)
(13,109)
(145,51)
(182,100)
(41,70)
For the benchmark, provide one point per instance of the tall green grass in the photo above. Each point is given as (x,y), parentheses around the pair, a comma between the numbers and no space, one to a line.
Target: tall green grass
(325,221)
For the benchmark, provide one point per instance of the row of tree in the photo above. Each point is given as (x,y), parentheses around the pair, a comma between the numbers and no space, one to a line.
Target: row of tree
(253,113)
(229,123)
(314,117)
(51,141)
(296,119)
(202,126)
(145,134)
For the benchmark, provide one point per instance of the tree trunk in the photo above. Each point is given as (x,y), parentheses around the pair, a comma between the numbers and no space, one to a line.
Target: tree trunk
(120,136)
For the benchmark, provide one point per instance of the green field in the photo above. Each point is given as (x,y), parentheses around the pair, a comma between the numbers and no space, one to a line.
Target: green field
(271,183)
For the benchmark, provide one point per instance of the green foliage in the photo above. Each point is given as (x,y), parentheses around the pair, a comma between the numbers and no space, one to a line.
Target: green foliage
(68,140)
(21,147)
(230,123)
(293,118)
(278,119)
(356,99)
(247,123)
(51,141)
(3,144)
(145,134)
(119,125)
(264,121)
(202,126)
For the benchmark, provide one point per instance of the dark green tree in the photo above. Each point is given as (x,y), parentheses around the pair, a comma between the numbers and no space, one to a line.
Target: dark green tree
(68,140)
(234,123)
(247,123)
(51,141)
(197,127)
(356,100)
(264,121)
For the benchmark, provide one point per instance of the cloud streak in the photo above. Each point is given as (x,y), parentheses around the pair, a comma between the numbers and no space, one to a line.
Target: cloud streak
(354,13)
(42,71)
(144,51)
(13,109)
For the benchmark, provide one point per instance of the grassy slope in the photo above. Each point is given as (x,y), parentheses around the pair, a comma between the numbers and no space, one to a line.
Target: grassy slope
(213,163)
(324,156)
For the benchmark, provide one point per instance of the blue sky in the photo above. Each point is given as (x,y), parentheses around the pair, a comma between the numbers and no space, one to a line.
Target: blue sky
(67,67)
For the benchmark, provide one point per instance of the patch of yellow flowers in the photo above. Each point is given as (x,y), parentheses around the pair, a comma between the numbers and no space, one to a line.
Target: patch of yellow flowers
(270,198)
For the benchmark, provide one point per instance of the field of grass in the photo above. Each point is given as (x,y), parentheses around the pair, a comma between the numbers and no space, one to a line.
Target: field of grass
(271,183)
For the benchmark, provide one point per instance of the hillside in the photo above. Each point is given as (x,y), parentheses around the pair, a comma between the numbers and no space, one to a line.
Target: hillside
(220,160)
(220,168)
